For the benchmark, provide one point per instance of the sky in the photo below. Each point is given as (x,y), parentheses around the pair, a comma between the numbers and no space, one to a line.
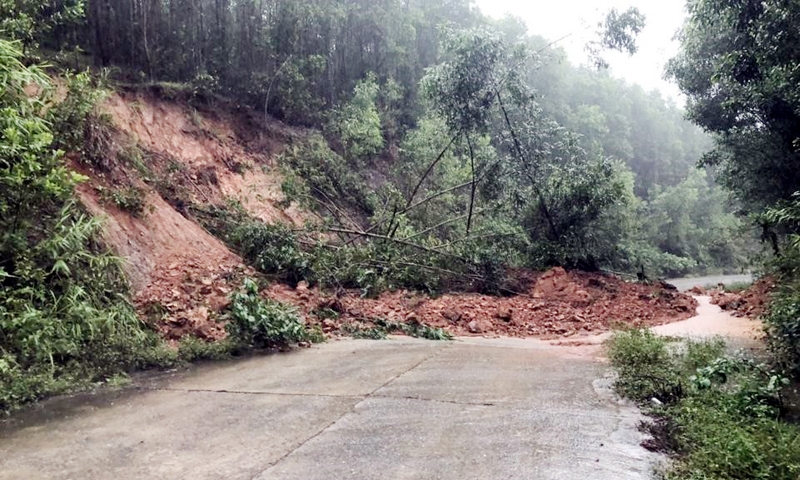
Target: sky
(554,19)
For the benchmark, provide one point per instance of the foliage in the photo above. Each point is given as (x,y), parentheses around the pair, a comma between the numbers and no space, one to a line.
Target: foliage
(357,125)
(782,317)
(720,415)
(32,22)
(617,32)
(191,349)
(689,221)
(740,73)
(130,199)
(327,174)
(64,317)
(383,327)
(645,366)
(256,322)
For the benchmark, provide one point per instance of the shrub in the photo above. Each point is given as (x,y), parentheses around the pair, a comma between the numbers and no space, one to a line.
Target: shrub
(256,322)
(646,368)
(725,420)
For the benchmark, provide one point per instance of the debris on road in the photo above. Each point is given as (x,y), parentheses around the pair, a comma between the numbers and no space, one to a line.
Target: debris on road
(749,303)
(560,304)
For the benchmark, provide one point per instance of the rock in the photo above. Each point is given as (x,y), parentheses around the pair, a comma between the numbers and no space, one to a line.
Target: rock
(452,315)
(505,313)
(581,298)
(550,283)
(479,326)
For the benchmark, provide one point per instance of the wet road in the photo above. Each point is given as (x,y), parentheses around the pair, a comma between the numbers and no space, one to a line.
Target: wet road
(399,409)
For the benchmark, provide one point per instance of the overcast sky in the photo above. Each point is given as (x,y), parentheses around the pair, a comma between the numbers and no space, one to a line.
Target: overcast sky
(556,18)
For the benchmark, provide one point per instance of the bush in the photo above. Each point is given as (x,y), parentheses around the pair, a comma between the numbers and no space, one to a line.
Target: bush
(645,365)
(256,322)
(724,419)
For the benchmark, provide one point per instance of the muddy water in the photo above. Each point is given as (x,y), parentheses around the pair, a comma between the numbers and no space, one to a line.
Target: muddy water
(712,321)
(689,283)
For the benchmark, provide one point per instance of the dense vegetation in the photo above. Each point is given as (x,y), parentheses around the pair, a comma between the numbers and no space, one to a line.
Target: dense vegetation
(739,68)
(720,415)
(439,124)
(724,416)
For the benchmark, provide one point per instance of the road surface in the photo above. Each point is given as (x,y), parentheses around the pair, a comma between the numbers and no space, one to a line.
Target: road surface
(396,409)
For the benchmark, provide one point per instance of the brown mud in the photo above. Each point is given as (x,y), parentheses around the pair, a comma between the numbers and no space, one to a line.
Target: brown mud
(560,304)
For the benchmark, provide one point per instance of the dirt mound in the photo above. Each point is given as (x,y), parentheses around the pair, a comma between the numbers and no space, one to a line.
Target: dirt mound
(174,156)
(560,304)
(749,303)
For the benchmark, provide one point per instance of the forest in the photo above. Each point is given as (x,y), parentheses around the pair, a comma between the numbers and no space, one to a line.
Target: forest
(380,80)
(435,149)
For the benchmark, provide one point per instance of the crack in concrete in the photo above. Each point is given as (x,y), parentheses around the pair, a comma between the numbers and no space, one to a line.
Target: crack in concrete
(352,409)
(250,392)
(434,400)
(323,395)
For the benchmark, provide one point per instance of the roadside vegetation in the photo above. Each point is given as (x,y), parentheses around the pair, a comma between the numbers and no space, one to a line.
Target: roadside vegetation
(718,415)
(725,416)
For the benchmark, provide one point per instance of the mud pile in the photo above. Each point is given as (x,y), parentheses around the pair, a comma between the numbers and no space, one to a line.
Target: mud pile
(176,156)
(560,304)
(749,303)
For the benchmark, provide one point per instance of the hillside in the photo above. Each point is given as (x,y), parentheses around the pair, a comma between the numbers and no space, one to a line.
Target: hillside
(179,159)
(166,157)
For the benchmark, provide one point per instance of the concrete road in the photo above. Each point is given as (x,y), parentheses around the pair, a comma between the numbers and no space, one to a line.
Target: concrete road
(395,409)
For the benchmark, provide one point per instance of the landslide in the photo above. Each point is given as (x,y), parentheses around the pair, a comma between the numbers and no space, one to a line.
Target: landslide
(559,304)
(751,302)
(170,158)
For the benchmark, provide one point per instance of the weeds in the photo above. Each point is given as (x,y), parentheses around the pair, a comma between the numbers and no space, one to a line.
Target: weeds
(719,415)
(130,199)
(381,328)
(260,323)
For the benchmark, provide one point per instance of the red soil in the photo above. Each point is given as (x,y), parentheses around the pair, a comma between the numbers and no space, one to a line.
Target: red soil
(749,303)
(560,304)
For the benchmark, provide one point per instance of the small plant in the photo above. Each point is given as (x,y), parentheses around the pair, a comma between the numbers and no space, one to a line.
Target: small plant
(133,156)
(192,349)
(256,322)
(382,328)
(130,199)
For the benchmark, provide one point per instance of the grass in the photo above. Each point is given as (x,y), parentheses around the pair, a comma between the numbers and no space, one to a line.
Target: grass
(719,416)
(382,328)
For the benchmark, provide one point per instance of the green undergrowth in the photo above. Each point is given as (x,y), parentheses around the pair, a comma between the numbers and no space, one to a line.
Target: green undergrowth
(381,328)
(719,415)
(256,322)
(297,254)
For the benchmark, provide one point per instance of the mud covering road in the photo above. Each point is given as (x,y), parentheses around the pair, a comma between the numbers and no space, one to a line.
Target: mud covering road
(399,409)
